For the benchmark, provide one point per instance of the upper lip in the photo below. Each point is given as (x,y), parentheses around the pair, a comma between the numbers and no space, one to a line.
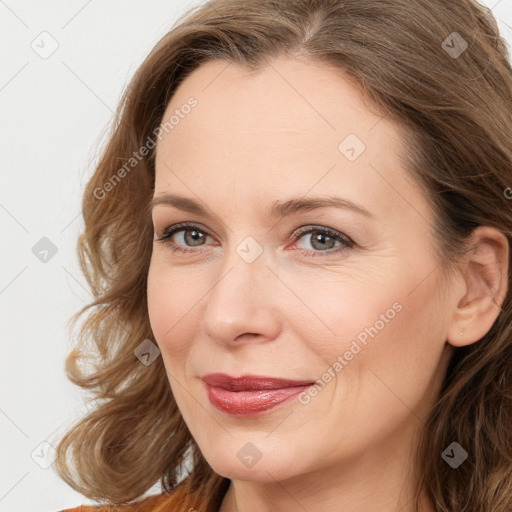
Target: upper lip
(250,382)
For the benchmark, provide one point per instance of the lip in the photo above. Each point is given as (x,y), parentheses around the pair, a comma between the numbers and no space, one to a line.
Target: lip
(250,395)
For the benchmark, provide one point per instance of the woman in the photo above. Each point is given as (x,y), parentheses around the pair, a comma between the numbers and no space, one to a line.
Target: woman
(298,240)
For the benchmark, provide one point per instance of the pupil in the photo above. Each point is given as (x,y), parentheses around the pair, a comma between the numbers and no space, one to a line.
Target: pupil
(322,238)
(195,235)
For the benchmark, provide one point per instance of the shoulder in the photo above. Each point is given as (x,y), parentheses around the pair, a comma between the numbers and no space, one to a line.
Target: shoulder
(148,504)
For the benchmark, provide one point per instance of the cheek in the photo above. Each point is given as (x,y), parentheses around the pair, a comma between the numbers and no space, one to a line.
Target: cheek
(347,315)
(386,329)
(401,363)
(157,301)
(170,304)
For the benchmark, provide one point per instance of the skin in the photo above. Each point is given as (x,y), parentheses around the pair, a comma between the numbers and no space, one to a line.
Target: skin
(255,138)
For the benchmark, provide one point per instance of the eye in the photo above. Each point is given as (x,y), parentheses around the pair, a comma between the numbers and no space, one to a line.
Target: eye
(192,234)
(322,242)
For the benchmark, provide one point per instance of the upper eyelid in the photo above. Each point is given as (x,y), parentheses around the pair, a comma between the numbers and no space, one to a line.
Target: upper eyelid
(183,227)
(297,233)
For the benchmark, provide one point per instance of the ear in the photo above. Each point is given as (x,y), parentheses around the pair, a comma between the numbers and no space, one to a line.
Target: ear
(484,284)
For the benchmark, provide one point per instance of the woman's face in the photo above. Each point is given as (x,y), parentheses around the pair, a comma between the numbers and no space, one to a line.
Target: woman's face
(264,290)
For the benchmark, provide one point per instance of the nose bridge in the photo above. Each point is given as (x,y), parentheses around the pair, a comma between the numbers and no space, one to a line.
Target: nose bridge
(240,300)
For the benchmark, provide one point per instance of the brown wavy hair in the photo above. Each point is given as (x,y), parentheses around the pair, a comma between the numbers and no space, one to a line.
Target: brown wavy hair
(457,111)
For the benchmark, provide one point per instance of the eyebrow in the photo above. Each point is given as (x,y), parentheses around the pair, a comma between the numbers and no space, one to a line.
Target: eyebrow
(278,209)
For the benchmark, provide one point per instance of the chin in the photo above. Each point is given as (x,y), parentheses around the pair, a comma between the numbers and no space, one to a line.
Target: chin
(255,462)
(260,472)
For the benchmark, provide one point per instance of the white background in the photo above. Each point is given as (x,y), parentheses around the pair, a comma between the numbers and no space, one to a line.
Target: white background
(53,113)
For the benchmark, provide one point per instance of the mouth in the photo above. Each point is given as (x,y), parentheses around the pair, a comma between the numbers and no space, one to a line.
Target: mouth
(250,395)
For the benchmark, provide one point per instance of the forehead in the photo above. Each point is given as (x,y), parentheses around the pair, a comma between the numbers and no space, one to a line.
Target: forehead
(289,127)
(296,100)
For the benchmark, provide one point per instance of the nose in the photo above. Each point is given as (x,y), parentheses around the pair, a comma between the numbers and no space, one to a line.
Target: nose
(242,305)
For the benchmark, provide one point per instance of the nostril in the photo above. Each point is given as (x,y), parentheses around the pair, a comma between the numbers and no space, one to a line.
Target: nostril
(250,335)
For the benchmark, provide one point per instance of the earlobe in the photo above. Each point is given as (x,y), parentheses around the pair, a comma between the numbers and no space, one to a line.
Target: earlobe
(485,284)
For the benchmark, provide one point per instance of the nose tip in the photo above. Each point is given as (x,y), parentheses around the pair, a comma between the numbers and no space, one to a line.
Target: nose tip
(240,308)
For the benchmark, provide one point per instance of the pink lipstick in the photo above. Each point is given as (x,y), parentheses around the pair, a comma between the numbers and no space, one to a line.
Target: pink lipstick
(250,395)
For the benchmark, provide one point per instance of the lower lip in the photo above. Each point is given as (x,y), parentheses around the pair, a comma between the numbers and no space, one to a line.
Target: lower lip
(251,403)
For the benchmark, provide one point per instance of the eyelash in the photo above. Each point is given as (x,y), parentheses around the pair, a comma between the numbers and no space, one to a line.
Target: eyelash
(185,226)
